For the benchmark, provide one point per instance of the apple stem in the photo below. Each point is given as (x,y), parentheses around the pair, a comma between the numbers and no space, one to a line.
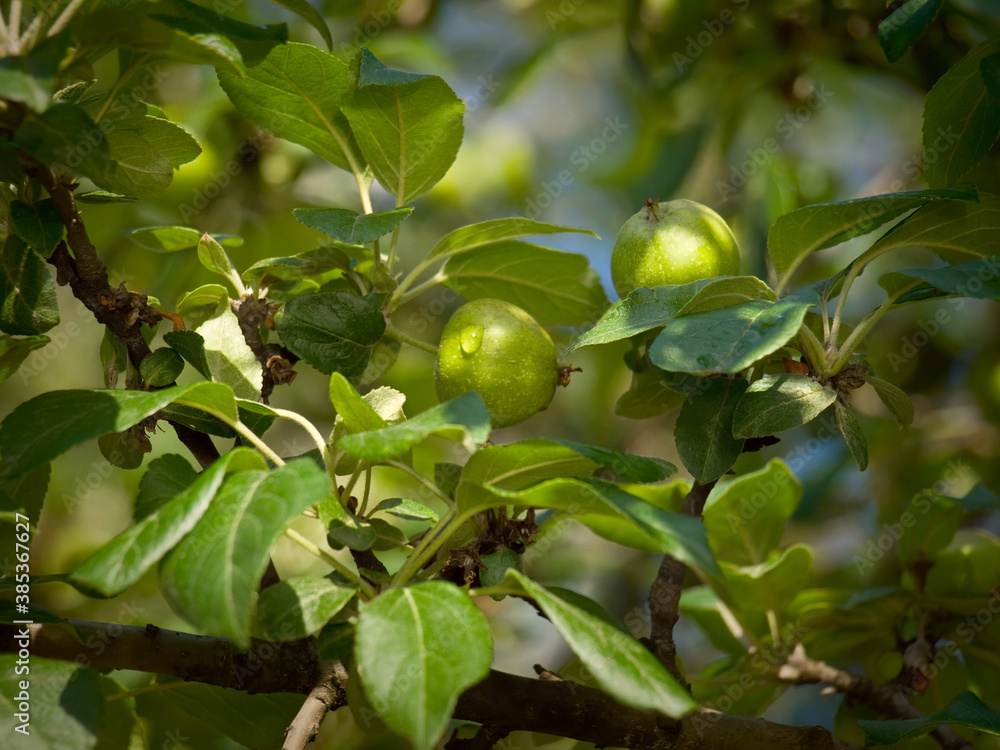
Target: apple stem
(654,215)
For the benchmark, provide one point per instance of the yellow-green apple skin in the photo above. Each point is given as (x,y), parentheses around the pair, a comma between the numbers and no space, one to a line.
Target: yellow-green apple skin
(674,242)
(500,351)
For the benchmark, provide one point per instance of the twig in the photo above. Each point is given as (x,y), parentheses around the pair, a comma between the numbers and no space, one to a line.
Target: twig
(888,700)
(665,593)
(502,701)
(329,694)
(275,361)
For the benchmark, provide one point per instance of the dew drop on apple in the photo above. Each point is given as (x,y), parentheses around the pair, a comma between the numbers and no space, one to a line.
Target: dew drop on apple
(471,339)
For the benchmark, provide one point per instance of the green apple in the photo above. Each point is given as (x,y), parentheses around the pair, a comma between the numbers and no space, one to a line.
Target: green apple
(501,352)
(969,566)
(675,242)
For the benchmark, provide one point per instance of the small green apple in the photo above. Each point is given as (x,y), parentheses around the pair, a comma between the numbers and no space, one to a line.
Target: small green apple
(675,242)
(501,352)
(969,566)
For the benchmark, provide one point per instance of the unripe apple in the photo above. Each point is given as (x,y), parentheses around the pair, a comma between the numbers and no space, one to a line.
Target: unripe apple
(675,242)
(969,566)
(501,352)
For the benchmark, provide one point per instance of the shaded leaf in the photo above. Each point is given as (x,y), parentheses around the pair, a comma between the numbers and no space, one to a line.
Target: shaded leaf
(332,331)
(28,304)
(850,428)
(780,402)
(704,431)
(906,25)
(965,710)
(961,119)
(298,607)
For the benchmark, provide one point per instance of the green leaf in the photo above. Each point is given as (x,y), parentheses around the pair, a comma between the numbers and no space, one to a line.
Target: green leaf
(961,119)
(28,304)
(191,346)
(408,127)
(627,467)
(39,224)
(211,577)
(645,309)
(102,197)
(123,560)
(729,340)
(229,358)
(31,78)
(521,464)
(849,427)
(140,169)
(310,15)
(979,279)
(253,42)
(362,414)
(54,138)
(798,234)
(202,303)
(50,424)
(13,352)
(554,287)
(980,498)
(989,68)
(949,228)
(26,493)
(464,418)
(771,585)
(165,478)
(745,518)
(214,258)
(409,510)
(713,618)
(298,607)
(169,140)
(344,528)
(621,666)
(648,396)
(894,398)
(332,331)
(296,93)
(906,25)
(417,650)
(349,226)
(139,30)
(122,449)
(169,239)
(704,433)
(256,721)
(292,276)
(672,533)
(65,704)
(487,232)
(161,367)
(780,402)
(965,710)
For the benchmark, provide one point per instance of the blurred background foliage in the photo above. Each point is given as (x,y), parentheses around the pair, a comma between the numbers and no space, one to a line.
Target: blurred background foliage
(577,111)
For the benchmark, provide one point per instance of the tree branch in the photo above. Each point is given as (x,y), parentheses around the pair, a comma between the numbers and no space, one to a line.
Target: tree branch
(888,700)
(503,702)
(329,694)
(123,312)
(665,593)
